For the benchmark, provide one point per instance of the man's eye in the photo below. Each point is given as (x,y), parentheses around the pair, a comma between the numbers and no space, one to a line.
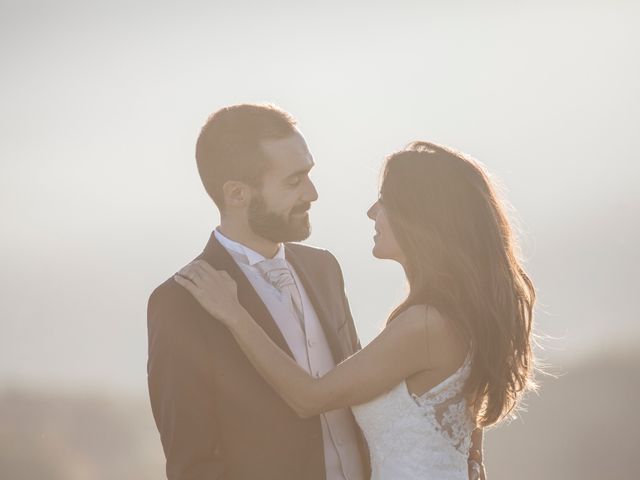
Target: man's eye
(294,181)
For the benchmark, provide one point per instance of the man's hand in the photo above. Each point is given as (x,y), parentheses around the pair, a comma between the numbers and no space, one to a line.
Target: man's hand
(475,461)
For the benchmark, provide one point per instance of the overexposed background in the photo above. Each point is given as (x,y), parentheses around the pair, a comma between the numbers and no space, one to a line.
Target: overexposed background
(101,104)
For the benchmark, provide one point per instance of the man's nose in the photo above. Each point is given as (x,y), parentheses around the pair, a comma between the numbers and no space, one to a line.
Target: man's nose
(311,194)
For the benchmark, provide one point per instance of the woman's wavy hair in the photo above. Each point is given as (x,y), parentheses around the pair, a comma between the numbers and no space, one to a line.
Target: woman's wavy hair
(462,259)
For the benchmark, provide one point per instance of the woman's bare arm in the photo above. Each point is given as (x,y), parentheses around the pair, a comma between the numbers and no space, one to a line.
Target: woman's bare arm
(397,353)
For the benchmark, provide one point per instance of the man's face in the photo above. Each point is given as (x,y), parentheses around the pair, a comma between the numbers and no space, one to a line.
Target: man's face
(278,211)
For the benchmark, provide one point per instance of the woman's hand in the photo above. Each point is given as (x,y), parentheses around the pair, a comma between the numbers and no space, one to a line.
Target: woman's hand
(214,289)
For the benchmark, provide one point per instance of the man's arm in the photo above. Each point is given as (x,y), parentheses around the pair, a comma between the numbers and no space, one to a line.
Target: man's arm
(180,387)
(476,455)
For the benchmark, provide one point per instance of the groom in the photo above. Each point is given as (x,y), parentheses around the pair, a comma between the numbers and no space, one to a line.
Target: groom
(218,419)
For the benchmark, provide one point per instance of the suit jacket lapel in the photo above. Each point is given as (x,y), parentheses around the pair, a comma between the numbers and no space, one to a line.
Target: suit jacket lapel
(318,300)
(218,257)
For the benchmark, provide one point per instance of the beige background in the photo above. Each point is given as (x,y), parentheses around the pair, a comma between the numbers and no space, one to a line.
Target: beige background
(100,108)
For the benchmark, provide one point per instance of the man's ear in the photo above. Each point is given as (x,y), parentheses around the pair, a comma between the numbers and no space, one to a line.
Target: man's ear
(236,194)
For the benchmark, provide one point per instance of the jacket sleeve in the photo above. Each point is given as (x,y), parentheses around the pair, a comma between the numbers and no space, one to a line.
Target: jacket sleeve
(180,386)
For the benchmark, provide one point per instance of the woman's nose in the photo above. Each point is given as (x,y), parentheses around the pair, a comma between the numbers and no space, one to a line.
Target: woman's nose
(371,213)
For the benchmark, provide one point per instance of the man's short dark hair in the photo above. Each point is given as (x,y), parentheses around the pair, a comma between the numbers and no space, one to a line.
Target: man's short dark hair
(228,147)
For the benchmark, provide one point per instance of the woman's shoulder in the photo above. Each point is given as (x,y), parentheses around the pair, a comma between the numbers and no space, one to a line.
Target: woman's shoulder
(441,336)
(425,315)
(410,322)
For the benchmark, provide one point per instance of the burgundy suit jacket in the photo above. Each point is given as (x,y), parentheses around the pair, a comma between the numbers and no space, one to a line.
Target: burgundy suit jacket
(217,418)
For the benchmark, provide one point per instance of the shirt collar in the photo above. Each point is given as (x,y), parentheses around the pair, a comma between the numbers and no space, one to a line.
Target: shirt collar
(251,257)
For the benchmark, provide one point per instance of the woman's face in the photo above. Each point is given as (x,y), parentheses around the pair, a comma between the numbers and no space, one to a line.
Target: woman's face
(385,243)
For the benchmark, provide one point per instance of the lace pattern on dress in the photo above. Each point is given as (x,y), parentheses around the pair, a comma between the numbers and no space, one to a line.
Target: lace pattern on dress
(447,405)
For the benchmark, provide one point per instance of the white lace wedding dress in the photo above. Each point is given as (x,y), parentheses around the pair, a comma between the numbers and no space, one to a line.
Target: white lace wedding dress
(419,437)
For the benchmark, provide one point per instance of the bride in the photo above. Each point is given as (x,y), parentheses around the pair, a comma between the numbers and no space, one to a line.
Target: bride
(454,355)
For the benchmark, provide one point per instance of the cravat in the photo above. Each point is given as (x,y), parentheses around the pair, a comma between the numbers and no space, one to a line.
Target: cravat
(277,273)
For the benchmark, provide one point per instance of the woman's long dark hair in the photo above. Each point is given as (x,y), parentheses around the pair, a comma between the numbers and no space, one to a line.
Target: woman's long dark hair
(461,259)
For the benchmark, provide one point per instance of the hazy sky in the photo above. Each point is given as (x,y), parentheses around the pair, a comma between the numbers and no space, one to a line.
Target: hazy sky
(101,106)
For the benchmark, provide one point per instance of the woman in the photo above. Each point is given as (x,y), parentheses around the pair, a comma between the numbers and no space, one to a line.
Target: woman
(455,355)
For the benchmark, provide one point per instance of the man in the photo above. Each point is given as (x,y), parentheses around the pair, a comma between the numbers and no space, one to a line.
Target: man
(217,417)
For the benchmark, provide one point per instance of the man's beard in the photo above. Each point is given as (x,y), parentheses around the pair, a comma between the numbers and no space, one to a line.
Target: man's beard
(278,227)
